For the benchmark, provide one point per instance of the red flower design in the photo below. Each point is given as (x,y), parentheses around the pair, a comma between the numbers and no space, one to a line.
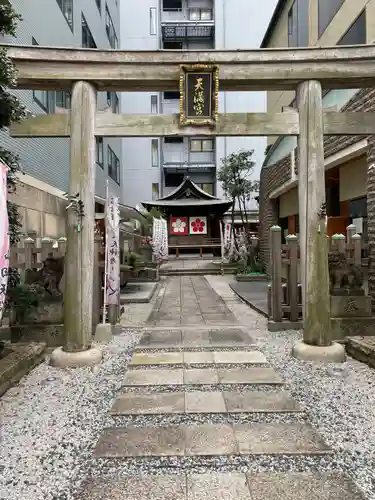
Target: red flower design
(198,226)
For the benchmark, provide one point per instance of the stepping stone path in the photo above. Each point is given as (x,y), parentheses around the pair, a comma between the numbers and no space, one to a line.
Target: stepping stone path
(226,379)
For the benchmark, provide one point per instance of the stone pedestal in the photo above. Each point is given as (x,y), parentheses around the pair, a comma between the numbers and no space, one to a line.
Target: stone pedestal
(334,353)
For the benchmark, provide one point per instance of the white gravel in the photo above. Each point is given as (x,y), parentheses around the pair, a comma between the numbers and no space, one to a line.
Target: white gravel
(50,422)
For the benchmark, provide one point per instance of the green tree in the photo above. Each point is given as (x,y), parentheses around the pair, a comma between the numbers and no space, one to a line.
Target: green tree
(234,175)
(10,111)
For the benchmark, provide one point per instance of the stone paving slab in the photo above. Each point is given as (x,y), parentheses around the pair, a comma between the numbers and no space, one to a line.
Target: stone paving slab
(156,358)
(218,337)
(202,376)
(149,404)
(192,358)
(157,403)
(154,377)
(248,375)
(258,401)
(222,486)
(210,440)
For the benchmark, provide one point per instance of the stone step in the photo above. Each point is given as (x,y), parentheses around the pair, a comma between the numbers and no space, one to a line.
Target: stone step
(155,403)
(224,486)
(194,358)
(202,376)
(210,440)
(362,349)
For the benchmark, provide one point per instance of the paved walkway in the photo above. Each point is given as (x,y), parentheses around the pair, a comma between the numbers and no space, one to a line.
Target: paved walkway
(198,391)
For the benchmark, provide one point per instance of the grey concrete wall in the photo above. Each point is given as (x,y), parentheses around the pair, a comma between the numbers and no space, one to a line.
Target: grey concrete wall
(42,213)
(48,159)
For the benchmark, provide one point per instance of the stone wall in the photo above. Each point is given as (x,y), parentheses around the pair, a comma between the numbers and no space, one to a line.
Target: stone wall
(42,213)
(275,175)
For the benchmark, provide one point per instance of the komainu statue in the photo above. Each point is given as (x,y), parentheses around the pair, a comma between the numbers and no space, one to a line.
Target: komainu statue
(49,276)
(344,278)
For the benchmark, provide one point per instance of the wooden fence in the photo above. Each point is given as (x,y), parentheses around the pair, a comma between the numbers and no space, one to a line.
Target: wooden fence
(284,295)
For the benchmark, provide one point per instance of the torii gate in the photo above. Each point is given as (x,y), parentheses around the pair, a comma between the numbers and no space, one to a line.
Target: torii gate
(306,70)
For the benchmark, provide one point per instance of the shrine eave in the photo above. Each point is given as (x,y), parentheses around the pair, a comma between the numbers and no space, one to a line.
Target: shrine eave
(215,204)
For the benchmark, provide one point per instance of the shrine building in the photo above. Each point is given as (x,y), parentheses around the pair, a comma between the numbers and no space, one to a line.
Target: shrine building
(194,218)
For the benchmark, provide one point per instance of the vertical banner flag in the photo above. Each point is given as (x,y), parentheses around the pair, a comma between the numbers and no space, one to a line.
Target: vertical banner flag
(113,249)
(4,237)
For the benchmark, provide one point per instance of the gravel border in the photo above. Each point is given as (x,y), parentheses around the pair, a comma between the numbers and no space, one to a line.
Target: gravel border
(211,418)
(204,388)
(57,416)
(187,366)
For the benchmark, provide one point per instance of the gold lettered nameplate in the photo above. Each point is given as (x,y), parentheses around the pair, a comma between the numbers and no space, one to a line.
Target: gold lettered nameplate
(199,93)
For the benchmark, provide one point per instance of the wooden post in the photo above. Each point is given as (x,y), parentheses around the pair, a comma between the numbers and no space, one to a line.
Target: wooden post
(29,258)
(46,248)
(351,230)
(78,297)
(312,211)
(357,254)
(292,242)
(62,246)
(97,284)
(276,273)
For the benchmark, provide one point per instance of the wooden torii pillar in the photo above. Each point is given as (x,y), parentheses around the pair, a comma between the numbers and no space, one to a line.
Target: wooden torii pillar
(317,344)
(79,258)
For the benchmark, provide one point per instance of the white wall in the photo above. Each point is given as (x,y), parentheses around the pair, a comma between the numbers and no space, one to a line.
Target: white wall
(241,24)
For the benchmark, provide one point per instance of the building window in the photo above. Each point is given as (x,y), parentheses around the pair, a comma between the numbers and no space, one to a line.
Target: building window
(201,145)
(173,140)
(110,29)
(154,104)
(173,180)
(113,102)
(100,151)
(63,99)
(113,166)
(298,24)
(356,34)
(99,5)
(172,94)
(44,98)
(172,5)
(327,9)
(207,187)
(66,7)
(153,21)
(155,191)
(155,152)
(88,41)
(199,14)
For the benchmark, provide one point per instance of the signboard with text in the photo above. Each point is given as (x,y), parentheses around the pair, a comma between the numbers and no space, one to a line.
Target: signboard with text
(199,90)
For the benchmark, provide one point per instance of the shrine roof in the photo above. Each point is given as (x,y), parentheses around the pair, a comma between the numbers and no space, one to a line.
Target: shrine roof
(188,194)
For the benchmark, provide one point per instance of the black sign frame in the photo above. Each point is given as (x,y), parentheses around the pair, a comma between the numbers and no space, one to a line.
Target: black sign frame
(199,94)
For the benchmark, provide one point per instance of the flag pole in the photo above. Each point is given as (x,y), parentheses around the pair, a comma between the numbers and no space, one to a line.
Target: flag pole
(105,254)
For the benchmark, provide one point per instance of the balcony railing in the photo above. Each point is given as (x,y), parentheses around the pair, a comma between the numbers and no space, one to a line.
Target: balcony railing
(179,32)
(187,24)
(188,167)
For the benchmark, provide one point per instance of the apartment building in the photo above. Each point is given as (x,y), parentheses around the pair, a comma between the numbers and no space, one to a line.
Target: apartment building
(154,167)
(63,23)
(328,23)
